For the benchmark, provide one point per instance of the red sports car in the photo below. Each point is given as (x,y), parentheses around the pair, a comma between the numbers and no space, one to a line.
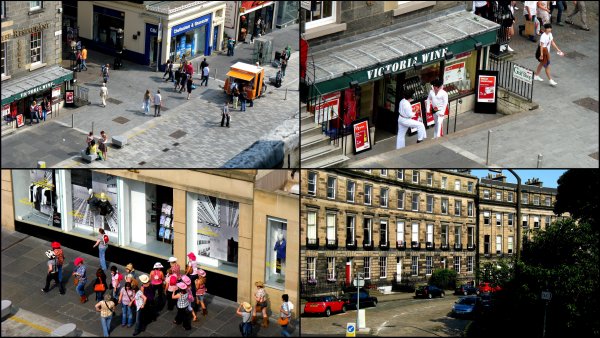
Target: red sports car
(488,287)
(324,305)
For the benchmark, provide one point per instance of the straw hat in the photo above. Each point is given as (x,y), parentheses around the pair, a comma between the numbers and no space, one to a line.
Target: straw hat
(260,284)
(157,265)
(144,279)
(107,297)
(182,285)
(55,245)
(172,259)
(247,306)
(191,256)
(129,267)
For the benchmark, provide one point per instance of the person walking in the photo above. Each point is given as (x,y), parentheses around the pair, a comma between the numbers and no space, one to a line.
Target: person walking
(52,273)
(157,278)
(188,282)
(543,12)
(171,280)
(106,308)
(45,108)
(245,311)
(130,278)
(146,102)
(244,98)
(33,113)
(183,315)
(157,103)
(439,101)
(80,278)
(192,272)
(104,70)
(102,244)
(116,281)
(529,11)
(285,314)
(103,94)
(168,66)
(203,64)
(225,114)
(189,87)
(579,8)
(236,98)
(178,76)
(205,74)
(405,121)
(103,145)
(126,299)
(129,270)
(60,259)
(78,61)
(140,303)
(150,307)
(84,53)
(260,296)
(100,284)
(230,46)
(546,40)
(560,6)
(201,290)
(283,66)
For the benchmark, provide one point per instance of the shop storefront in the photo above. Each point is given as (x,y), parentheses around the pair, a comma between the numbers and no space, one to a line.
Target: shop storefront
(18,94)
(240,21)
(287,13)
(364,80)
(191,38)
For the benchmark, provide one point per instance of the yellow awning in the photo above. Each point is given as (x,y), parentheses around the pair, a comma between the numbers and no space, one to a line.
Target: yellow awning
(240,75)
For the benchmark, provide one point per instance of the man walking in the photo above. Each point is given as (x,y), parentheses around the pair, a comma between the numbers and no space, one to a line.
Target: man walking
(103,94)
(225,114)
(579,8)
(157,103)
(439,100)
(202,65)
(205,73)
(230,45)
(530,11)
(84,57)
(405,121)
(104,71)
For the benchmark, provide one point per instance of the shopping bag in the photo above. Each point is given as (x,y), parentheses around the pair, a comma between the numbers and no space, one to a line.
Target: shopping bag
(529,28)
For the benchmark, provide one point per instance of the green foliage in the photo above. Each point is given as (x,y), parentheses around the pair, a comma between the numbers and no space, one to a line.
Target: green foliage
(577,194)
(443,279)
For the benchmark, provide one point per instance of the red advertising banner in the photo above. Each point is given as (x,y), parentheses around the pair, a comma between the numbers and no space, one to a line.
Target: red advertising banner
(328,108)
(416,108)
(487,89)
(69,97)
(20,120)
(248,5)
(361,137)
(5,111)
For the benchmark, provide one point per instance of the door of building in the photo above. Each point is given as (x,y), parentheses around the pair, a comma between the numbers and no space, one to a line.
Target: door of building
(152,47)
(215,38)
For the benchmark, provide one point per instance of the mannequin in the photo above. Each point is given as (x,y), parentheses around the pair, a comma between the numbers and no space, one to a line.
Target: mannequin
(280,249)
(104,209)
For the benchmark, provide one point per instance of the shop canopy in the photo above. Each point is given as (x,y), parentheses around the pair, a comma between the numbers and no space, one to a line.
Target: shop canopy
(31,84)
(240,75)
(425,42)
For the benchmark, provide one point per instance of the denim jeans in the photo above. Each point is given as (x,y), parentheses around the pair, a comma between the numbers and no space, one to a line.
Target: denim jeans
(138,322)
(105,324)
(284,331)
(243,104)
(83,65)
(81,288)
(147,106)
(60,274)
(127,317)
(102,258)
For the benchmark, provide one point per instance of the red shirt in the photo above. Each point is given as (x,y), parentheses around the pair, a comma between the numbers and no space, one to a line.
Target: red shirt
(189,69)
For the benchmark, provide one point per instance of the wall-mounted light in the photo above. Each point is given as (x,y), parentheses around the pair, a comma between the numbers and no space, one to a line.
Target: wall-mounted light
(138,33)
(449,55)
(134,37)
(353,84)
(418,66)
(478,46)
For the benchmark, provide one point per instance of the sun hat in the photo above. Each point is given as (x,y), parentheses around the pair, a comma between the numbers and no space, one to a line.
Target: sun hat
(247,306)
(107,297)
(181,285)
(260,284)
(186,280)
(129,267)
(144,279)
(157,265)
(172,259)
(78,260)
(55,245)
(50,254)
(201,273)
(129,276)
(191,256)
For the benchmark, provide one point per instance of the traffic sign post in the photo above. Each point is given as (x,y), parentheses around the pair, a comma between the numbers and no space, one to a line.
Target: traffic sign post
(547,296)
(351,330)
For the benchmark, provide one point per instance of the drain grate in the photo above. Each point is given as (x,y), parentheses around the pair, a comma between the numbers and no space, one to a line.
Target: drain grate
(115,101)
(178,134)
(121,120)
(588,102)
(575,55)
(142,163)
(594,155)
(165,150)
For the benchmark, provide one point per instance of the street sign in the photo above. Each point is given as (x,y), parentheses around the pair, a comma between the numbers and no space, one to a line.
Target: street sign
(361,282)
(546,295)
(351,330)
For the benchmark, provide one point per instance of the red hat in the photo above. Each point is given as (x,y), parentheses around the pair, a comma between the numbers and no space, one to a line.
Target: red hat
(191,256)
(78,260)
(55,245)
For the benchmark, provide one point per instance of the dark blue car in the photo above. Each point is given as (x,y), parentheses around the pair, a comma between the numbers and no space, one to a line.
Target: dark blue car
(466,290)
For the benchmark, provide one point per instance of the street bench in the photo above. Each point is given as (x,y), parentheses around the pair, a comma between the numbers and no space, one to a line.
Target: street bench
(88,158)
(6,308)
(65,330)
(119,140)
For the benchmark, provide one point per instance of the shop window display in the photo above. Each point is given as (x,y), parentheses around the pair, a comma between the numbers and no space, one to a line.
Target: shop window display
(458,76)
(35,196)
(94,202)
(276,252)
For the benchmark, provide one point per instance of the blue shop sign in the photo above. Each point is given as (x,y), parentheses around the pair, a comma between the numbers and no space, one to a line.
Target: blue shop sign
(192,24)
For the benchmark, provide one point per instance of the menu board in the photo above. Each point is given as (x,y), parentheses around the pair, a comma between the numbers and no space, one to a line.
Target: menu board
(360,135)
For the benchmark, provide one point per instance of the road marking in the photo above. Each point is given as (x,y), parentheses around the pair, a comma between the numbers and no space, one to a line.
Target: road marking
(30,324)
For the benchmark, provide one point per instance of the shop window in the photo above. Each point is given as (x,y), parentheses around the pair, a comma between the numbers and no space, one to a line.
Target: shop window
(107,23)
(322,13)
(3,54)
(34,5)
(459,76)
(215,231)
(35,197)
(276,252)
(36,47)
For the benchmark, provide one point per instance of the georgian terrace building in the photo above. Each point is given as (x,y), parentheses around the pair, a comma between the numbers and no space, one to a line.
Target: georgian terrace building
(391,225)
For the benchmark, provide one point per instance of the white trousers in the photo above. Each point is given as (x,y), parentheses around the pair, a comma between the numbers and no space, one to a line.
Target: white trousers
(403,125)
(439,124)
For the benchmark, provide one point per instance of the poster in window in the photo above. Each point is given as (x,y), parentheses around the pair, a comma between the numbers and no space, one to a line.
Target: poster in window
(429,114)
(5,111)
(487,89)
(454,73)
(56,92)
(328,108)
(361,135)
(218,228)
(418,116)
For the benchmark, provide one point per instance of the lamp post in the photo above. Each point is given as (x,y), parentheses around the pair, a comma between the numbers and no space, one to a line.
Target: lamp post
(518,242)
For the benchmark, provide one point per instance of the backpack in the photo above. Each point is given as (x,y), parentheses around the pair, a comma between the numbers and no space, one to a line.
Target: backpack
(105,239)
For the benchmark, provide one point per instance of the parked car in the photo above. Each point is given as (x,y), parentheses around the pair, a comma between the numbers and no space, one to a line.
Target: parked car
(488,287)
(324,305)
(365,299)
(465,289)
(466,306)
(429,291)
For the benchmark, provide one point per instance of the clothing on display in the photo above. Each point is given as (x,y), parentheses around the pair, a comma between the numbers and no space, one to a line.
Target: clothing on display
(280,246)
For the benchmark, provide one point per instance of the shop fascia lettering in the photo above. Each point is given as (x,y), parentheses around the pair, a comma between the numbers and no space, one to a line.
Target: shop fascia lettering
(36,89)
(407,63)
(189,25)
(19,32)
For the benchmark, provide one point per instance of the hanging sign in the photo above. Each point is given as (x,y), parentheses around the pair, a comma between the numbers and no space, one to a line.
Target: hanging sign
(454,73)
(361,136)
(56,91)
(486,91)
(418,116)
(522,74)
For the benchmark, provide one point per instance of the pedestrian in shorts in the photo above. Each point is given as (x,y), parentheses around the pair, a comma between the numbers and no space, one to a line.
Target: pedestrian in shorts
(546,40)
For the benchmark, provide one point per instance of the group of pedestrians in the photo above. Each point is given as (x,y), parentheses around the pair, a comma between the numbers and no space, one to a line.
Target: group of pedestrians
(39,110)
(99,148)
(249,314)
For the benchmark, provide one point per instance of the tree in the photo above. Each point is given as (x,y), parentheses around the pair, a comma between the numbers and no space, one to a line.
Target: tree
(443,279)
(577,194)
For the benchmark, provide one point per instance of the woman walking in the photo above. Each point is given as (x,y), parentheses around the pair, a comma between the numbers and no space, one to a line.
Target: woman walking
(80,278)
(126,299)
(176,270)
(100,284)
(245,311)
(146,102)
(60,257)
(546,40)
(192,272)
(186,280)
(260,296)
(200,284)
(285,313)
(183,315)
(52,272)
(140,302)
(116,281)
(149,309)
(103,147)
(102,245)
(106,308)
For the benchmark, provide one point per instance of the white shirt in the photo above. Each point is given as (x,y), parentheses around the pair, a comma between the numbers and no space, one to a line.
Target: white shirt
(532,5)
(157,99)
(477,4)
(205,71)
(546,40)
(440,100)
(405,110)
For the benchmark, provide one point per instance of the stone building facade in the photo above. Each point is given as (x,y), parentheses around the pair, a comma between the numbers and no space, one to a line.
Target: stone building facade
(391,225)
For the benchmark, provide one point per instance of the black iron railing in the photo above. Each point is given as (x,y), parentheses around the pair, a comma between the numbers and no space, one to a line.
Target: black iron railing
(514,78)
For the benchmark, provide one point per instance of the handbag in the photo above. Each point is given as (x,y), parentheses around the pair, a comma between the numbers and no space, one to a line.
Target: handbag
(76,280)
(538,53)
(283,321)
(99,288)
(529,28)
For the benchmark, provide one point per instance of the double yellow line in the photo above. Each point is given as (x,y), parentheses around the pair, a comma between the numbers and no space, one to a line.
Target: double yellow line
(30,324)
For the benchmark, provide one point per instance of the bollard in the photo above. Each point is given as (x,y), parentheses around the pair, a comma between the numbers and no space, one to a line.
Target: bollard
(487,156)
(539,162)
(215,74)
(72,121)
(285,98)
(92,127)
